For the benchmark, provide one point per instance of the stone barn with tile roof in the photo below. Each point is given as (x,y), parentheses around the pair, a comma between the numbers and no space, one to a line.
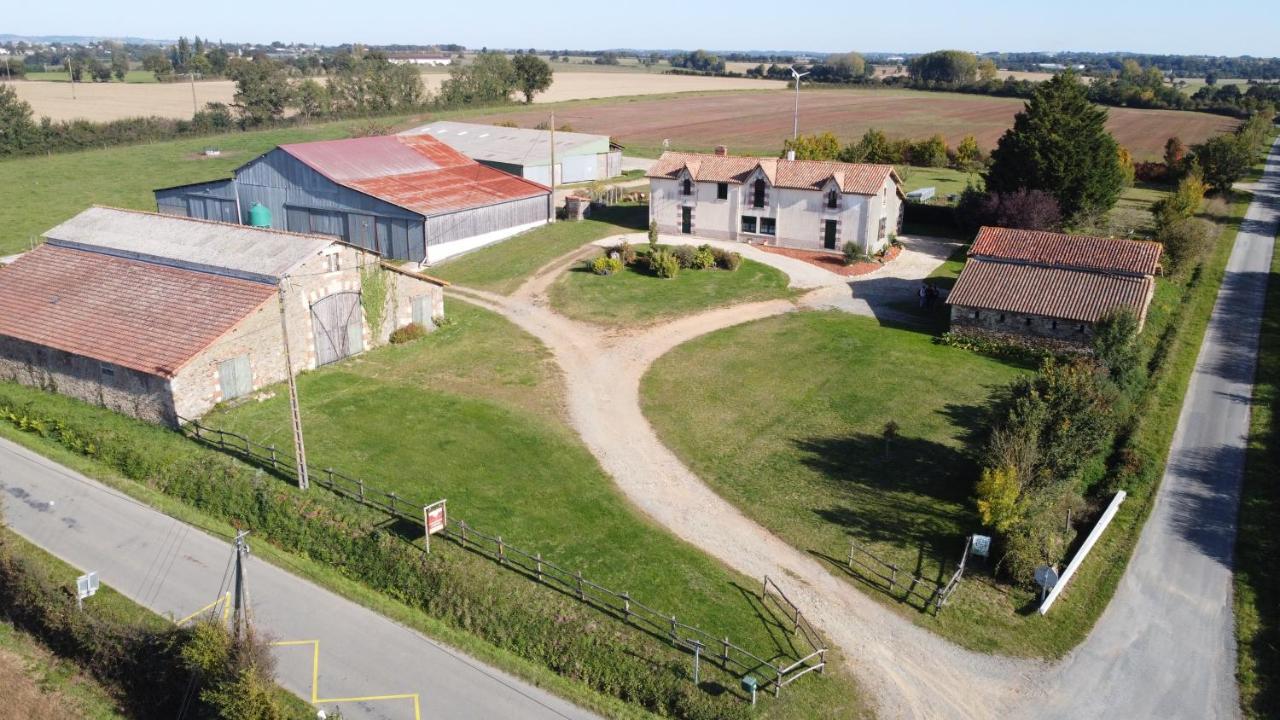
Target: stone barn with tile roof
(803,204)
(1050,288)
(162,318)
(408,198)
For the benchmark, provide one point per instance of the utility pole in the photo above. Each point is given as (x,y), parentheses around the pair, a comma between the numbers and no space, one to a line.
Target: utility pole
(551,214)
(240,615)
(72,77)
(795,121)
(299,449)
(194,107)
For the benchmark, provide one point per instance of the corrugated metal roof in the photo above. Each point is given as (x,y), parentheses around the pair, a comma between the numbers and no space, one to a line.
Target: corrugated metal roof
(139,315)
(518,146)
(855,178)
(260,254)
(418,173)
(1078,295)
(1070,251)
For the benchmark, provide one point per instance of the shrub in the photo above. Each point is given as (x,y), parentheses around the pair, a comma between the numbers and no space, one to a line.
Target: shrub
(1181,204)
(1023,209)
(664,264)
(407,333)
(653,232)
(626,253)
(726,259)
(1185,243)
(704,258)
(605,265)
(851,252)
(684,254)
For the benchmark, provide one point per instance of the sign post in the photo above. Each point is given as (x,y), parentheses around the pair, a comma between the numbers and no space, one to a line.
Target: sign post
(86,586)
(434,519)
(1046,578)
(981,545)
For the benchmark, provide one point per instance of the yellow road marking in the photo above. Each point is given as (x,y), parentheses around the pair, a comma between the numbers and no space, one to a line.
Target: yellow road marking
(225,609)
(315,681)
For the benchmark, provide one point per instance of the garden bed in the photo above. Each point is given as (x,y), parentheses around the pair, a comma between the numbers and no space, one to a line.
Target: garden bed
(834,262)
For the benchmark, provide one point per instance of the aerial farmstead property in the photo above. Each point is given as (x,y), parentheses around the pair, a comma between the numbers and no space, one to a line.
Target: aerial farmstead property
(408,198)
(1050,287)
(803,204)
(161,317)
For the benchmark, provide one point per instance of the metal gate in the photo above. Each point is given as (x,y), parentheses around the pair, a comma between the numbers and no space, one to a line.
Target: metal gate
(338,324)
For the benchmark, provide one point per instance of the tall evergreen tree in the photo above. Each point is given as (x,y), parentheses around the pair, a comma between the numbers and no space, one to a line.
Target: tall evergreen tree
(1059,143)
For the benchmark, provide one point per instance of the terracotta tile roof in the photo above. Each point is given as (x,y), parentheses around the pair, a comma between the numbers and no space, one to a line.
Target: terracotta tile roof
(1067,251)
(415,172)
(148,317)
(1078,295)
(855,178)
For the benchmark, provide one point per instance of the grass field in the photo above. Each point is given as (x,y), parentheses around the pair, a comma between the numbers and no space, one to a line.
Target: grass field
(637,297)
(1256,581)
(757,122)
(501,268)
(472,413)
(133,76)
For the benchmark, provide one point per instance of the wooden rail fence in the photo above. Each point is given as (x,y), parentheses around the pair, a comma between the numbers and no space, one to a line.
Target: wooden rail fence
(929,592)
(729,656)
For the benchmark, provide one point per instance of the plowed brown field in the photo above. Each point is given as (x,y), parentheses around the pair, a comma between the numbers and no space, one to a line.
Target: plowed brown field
(758,122)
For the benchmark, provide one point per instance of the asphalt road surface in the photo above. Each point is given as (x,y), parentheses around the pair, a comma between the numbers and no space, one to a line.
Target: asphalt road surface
(1165,647)
(175,569)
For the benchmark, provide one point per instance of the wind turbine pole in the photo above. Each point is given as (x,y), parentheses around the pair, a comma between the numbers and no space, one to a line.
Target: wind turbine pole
(795,122)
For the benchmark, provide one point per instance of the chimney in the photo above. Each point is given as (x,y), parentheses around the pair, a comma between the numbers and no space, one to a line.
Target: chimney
(721,150)
(791,155)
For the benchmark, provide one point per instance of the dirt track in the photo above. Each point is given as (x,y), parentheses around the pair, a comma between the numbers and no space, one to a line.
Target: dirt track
(908,671)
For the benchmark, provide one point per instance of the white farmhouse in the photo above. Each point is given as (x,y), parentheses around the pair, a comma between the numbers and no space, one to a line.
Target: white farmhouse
(803,204)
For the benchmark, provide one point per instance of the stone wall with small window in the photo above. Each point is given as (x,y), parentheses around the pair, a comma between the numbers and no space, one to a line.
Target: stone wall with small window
(124,390)
(1072,332)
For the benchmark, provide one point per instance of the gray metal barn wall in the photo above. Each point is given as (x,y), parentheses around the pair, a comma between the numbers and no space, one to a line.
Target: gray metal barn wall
(279,181)
(214,200)
(578,168)
(477,221)
(612,163)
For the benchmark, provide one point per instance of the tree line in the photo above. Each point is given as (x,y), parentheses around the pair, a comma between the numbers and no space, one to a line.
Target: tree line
(269,92)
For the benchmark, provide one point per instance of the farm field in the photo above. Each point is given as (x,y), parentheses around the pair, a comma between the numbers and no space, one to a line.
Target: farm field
(757,122)
(113,101)
(133,76)
(635,297)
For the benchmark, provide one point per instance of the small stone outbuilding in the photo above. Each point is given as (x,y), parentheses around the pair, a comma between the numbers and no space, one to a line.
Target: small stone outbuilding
(162,318)
(1049,289)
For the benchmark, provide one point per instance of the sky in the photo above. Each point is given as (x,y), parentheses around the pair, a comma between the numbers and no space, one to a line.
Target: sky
(1225,27)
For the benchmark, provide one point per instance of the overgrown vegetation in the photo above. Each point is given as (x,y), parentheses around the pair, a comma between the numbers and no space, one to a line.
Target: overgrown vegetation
(155,669)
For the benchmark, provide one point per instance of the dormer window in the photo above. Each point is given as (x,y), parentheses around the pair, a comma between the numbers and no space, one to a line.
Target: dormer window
(833,199)
(687,186)
(757,194)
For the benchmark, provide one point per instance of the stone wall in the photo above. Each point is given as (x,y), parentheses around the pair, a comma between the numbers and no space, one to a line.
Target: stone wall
(197,387)
(121,389)
(1068,332)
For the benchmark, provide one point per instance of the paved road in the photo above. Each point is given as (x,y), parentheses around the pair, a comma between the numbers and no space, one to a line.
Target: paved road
(1165,647)
(176,569)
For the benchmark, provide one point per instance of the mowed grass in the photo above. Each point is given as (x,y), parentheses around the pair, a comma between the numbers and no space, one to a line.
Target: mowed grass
(784,418)
(471,413)
(636,296)
(43,191)
(502,267)
(945,181)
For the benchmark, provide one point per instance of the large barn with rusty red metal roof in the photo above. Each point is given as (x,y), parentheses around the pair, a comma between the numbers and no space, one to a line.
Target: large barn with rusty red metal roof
(1051,287)
(406,197)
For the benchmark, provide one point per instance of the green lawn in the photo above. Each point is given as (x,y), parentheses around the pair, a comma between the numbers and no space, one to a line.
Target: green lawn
(783,417)
(637,297)
(472,413)
(1256,581)
(945,181)
(502,267)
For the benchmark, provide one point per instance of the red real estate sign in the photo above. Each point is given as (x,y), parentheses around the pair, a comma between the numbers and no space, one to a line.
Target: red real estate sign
(434,518)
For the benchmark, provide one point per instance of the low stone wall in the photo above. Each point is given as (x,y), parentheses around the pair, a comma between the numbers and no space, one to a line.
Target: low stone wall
(1034,342)
(1070,332)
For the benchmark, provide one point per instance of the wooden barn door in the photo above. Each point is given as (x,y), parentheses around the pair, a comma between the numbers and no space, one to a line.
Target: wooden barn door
(337,322)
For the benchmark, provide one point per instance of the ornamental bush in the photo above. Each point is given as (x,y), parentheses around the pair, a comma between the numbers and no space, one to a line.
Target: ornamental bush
(407,333)
(704,258)
(851,252)
(684,254)
(605,265)
(726,259)
(626,252)
(664,264)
